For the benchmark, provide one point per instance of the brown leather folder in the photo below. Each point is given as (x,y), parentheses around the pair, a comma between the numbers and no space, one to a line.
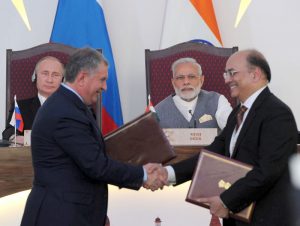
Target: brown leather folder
(213,175)
(139,142)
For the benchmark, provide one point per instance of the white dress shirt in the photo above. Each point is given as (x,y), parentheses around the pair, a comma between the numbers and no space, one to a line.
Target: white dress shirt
(42,99)
(222,113)
(185,107)
(248,103)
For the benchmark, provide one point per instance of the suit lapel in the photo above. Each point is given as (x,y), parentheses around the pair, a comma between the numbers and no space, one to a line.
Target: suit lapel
(35,104)
(250,119)
(92,119)
(32,106)
(243,132)
(231,123)
(96,128)
(79,104)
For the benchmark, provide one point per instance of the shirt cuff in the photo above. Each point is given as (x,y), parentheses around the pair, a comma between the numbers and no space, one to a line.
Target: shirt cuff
(145,178)
(223,204)
(171,175)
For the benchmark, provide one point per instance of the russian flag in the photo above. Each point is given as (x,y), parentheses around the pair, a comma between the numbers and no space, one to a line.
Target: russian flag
(150,106)
(81,23)
(16,119)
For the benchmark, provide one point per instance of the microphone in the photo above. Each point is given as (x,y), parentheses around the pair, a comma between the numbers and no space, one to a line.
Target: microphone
(193,118)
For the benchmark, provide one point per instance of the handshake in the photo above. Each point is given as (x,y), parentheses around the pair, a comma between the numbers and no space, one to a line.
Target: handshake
(157,176)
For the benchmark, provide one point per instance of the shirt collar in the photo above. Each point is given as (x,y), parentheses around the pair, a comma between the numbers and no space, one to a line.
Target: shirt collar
(186,104)
(72,90)
(250,100)
(42,99)
(186,108)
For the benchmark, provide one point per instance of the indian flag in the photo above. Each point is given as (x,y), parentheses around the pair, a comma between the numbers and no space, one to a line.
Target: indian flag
(187,20)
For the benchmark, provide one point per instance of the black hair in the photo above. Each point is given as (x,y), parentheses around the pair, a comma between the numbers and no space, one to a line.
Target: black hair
(255,58)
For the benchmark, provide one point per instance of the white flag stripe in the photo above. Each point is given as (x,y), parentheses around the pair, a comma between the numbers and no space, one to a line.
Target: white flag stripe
(13,120)
(183,23)
(13,117)
(152,109)
(100,3)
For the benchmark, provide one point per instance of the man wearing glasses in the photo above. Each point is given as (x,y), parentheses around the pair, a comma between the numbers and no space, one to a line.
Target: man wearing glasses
(190,106)
(47,76)
(265,138)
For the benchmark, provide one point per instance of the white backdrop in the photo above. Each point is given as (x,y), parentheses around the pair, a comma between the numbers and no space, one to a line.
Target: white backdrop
(270,26)
(134,25)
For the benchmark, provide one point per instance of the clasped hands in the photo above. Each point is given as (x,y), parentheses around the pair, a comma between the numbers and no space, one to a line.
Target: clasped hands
(157,176)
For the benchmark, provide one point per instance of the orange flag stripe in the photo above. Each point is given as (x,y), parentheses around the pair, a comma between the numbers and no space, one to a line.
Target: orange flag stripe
(206,10)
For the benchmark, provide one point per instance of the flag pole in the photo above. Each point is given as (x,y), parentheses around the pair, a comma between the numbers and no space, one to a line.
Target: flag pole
(149,100)
(15,99)
(15,135)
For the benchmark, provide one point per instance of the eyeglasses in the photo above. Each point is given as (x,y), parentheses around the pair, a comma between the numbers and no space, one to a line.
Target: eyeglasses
(190,77)
(46,74)
(229,73)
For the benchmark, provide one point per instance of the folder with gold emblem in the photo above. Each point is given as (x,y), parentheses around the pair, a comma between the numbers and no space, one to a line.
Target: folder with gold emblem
(213,175)
(139,142)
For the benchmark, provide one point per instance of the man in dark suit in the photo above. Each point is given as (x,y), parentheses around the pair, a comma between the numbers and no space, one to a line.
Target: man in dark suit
(48,74)
(71,168)
(265,139)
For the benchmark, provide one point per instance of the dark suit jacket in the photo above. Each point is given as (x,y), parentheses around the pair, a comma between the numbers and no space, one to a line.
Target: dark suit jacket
(28,108)
(71,168)
(266,141)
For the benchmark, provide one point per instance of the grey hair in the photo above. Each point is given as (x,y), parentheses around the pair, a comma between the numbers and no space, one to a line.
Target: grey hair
(85,59)
(47,58)
(186,60)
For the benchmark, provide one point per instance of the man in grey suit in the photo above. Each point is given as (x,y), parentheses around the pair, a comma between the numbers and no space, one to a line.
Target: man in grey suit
(71,168)
(191,106)
(265,139)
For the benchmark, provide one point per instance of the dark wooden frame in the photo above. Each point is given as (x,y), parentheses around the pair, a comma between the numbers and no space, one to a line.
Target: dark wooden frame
(34,51)
(182,47)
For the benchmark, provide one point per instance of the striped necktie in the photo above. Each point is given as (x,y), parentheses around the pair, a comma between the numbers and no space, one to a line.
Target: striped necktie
(240,115)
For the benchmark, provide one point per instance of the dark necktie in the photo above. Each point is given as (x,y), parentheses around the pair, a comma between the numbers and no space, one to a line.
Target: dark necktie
(91,116)
(240,115)
(214,221)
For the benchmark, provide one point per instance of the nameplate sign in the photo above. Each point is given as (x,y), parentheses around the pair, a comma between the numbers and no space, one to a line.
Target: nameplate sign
(27,137)
(191,136)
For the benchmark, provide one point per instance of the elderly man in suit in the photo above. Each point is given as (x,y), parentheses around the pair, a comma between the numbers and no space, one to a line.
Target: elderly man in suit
(265,139)
(48,74)
(71,168)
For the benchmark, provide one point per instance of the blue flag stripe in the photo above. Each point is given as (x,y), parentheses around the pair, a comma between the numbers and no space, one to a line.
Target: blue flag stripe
(81,23)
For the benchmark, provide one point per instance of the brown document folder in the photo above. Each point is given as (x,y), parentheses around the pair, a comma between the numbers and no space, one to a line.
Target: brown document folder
(213,175)
(139,142)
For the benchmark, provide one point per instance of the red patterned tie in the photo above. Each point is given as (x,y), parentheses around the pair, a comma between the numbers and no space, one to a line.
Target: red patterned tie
(240,115)
(214,221)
